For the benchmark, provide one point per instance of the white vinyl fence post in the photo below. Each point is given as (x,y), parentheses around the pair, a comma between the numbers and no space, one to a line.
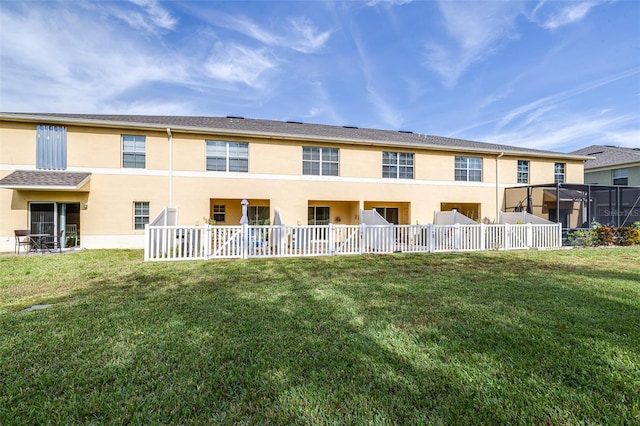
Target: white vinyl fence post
(244,232)
(507,236)
(208,243)
(147,242)
(330,243)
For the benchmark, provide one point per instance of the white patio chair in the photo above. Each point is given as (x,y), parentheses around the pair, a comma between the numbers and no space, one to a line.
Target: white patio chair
(71,232)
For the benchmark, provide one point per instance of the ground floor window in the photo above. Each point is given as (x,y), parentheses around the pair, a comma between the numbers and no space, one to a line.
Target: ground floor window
(219,213)
(140,214)
(258,215)
(390,214)
(319,215)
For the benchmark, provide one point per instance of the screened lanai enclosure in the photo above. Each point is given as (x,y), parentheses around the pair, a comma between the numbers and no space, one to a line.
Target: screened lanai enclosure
(577,205)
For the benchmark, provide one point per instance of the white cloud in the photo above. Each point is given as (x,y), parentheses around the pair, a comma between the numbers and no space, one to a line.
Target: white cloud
(568,14)
(476,29)
(306,38)
(296,34)
(86,64)
(388,2)
(235,63)
(148,16)
(568,133)
(548,101)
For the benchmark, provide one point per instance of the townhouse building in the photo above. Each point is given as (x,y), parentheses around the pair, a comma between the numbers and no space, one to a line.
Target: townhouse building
(110,175)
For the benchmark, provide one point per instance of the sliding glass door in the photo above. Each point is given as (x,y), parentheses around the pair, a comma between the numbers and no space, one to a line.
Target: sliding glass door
(50,217)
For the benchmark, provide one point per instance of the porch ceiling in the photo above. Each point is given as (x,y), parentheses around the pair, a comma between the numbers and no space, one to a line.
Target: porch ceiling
(41,180)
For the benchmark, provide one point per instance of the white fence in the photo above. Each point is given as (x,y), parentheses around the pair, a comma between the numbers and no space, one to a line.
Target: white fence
(241,242)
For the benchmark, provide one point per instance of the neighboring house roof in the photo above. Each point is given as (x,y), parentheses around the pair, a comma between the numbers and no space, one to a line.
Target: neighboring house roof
(605,156)
(281,129)
(45,180)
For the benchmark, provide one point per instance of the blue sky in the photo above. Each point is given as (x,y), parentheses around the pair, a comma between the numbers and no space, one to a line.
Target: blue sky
(553,75)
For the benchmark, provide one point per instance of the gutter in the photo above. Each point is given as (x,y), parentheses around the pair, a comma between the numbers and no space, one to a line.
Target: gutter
(170,135)
(498,186)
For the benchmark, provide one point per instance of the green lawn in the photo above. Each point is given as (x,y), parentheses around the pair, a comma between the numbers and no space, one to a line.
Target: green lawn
(536,337)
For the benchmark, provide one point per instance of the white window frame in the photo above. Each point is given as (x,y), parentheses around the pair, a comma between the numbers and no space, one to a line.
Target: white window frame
(231,153)
(323,160)
(466,169)
(398,165)
(219,213)
(139,226)
(617,174)
(314,219)
(559,172)
(138,150)
(254,214)
(385,212)
(523,171)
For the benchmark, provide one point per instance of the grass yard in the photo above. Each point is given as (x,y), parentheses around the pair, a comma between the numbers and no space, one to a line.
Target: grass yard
(536,337)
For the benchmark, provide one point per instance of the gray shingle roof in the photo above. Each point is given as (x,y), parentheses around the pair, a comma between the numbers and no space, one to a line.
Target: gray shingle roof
(608,156)
(42,179)
(255,127)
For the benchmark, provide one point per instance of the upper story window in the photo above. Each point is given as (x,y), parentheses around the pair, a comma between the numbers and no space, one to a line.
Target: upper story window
(468,169)
(620,176)
(397,165)
(227,156)
(559,172)
(134,152)
(523,171)
(51,147)
(320,161)
(140,214)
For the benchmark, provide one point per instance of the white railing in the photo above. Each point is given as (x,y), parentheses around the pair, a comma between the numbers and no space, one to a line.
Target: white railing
(244,241)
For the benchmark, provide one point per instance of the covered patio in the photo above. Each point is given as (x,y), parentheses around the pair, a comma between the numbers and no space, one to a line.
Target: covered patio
(577,205)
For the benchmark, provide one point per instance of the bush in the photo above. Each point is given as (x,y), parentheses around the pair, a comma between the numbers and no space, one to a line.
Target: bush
(628,236)
(581,238)
(604,235)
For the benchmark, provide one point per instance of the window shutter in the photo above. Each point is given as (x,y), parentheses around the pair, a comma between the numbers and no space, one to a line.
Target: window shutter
(51,147)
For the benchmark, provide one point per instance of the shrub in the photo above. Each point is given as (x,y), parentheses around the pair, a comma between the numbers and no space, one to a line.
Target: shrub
(628,236)
(581,238)
(604,235)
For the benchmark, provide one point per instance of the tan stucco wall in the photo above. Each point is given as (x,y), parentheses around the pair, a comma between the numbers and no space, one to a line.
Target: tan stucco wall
(275,175)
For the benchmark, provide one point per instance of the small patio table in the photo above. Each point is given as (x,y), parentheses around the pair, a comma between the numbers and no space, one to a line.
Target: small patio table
(37,241)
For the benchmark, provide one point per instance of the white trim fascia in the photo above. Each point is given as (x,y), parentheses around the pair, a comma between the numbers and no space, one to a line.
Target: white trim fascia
(41,188)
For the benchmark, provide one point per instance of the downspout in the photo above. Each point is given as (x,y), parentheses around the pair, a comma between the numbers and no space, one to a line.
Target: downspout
(170,167)
(498,187)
